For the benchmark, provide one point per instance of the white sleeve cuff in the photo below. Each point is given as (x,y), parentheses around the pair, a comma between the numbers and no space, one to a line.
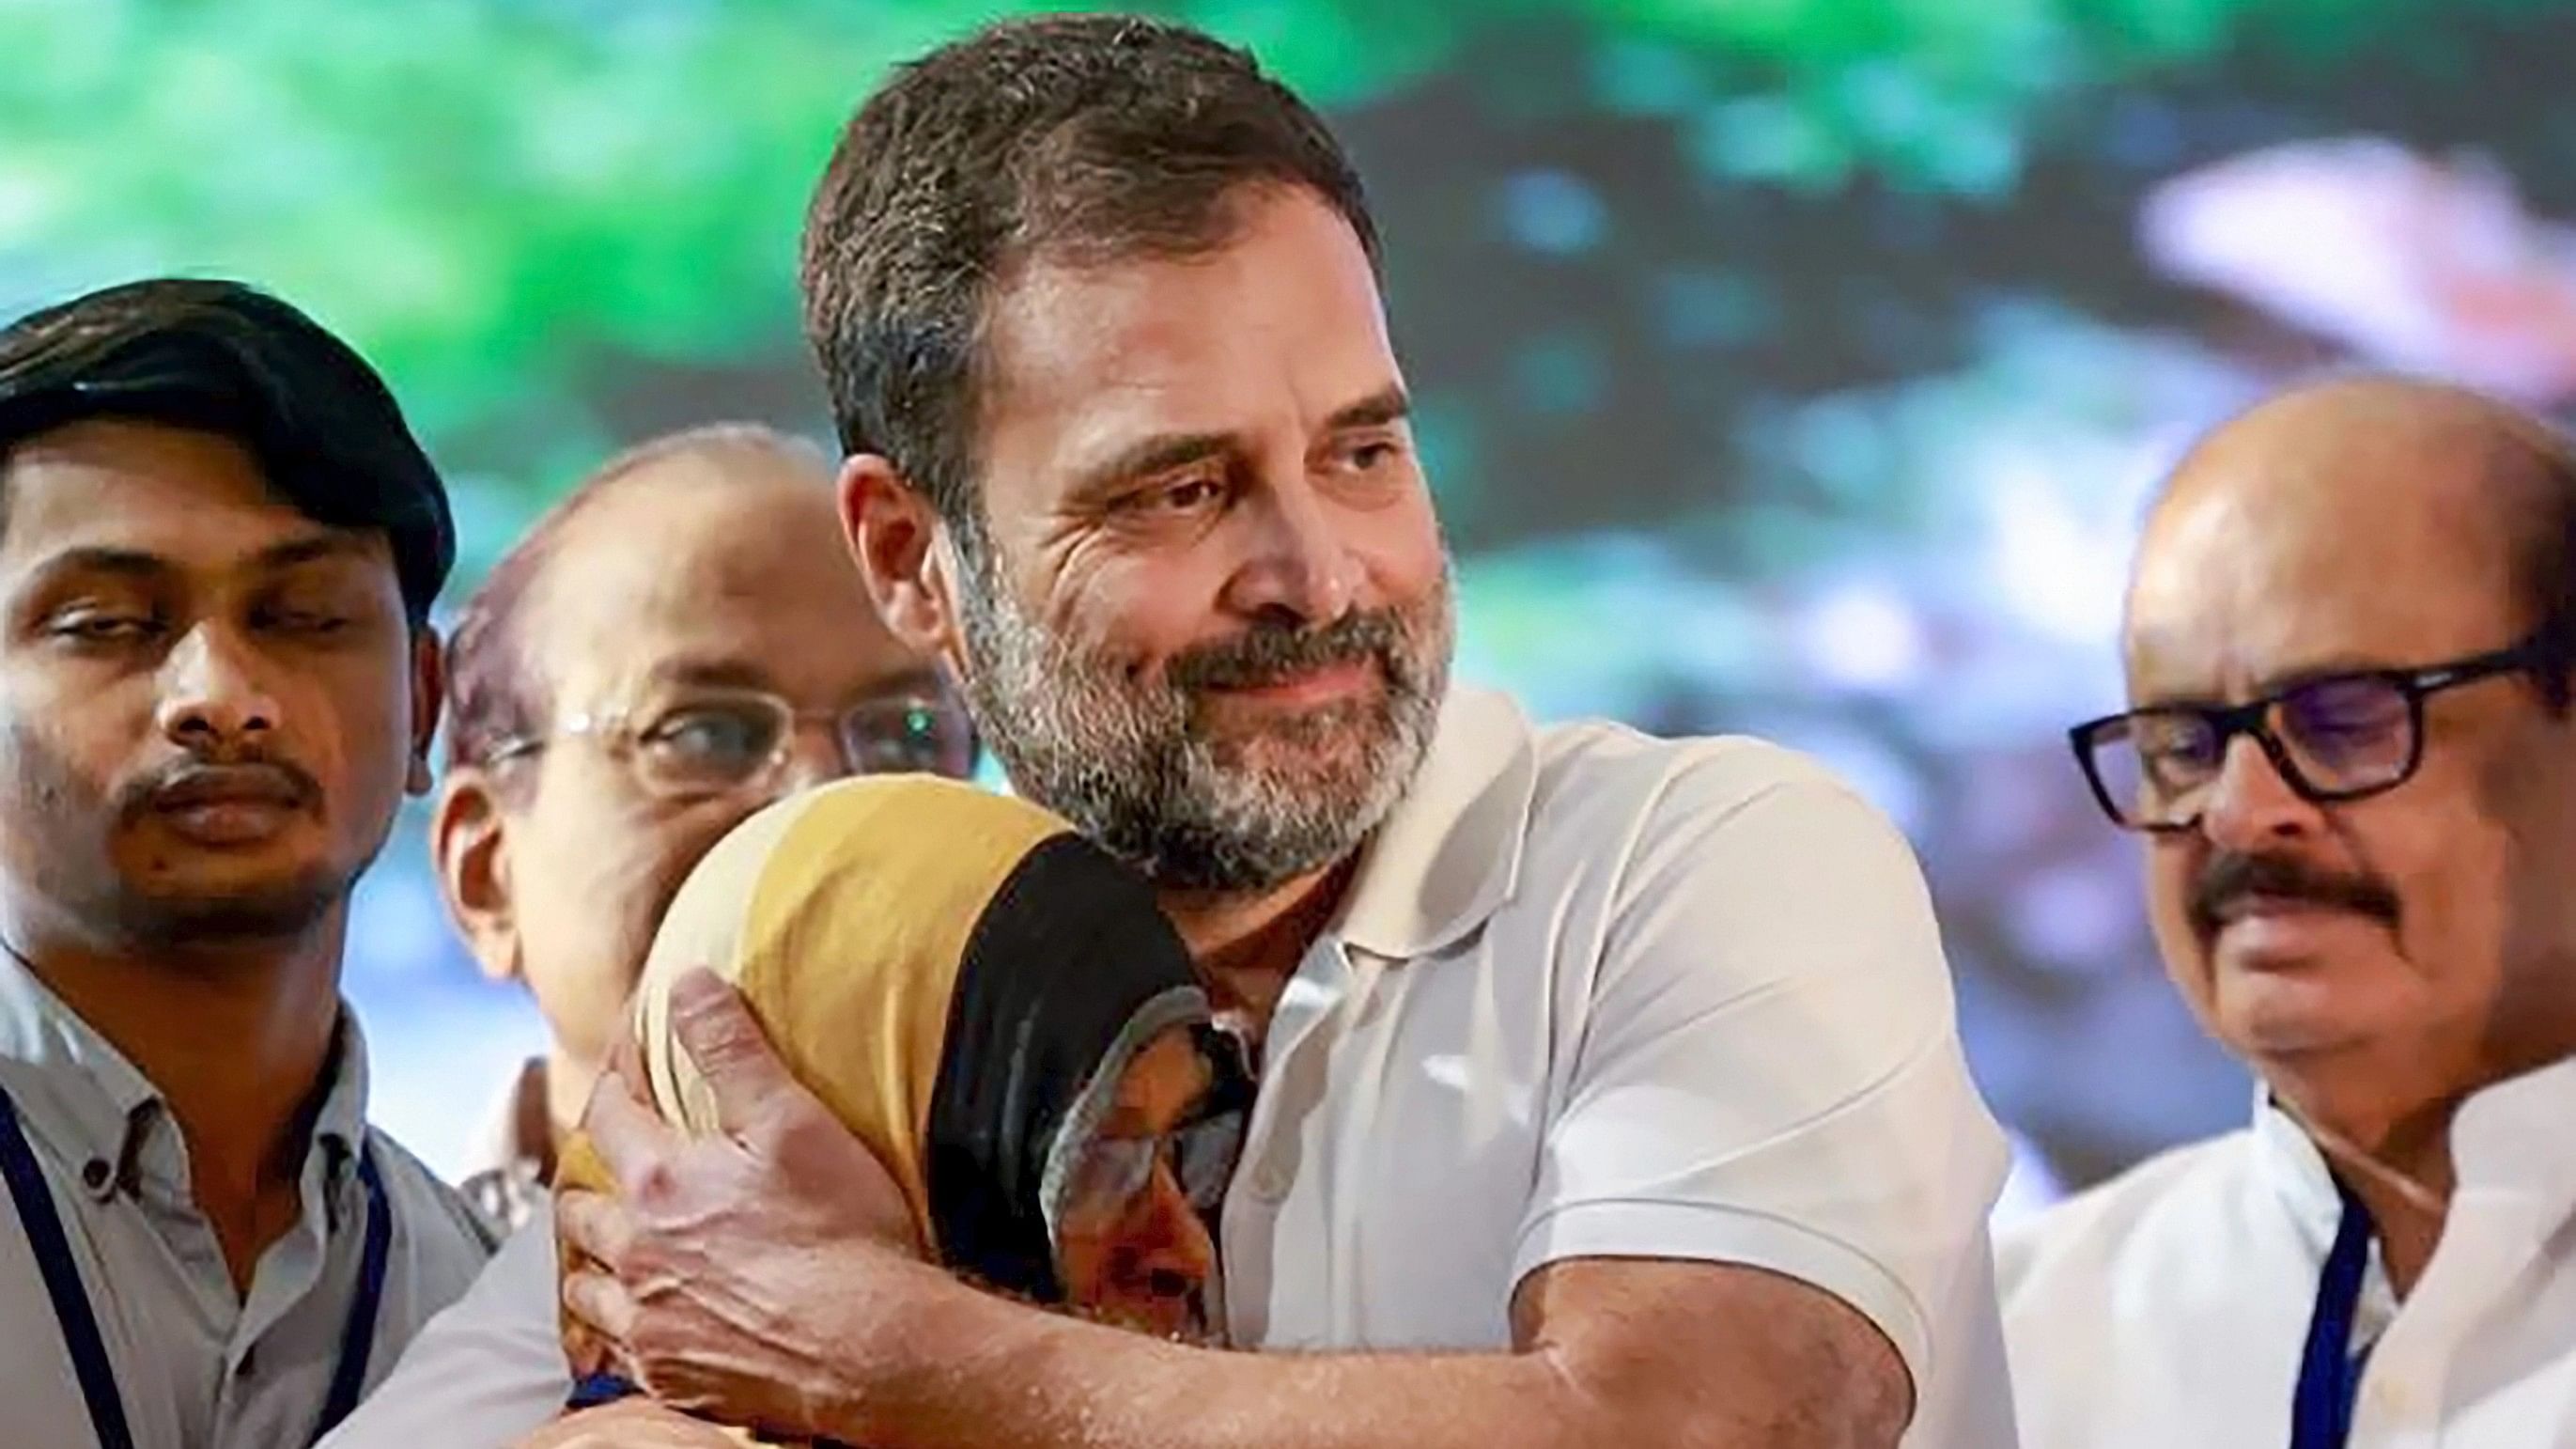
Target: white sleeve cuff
(1706,1232)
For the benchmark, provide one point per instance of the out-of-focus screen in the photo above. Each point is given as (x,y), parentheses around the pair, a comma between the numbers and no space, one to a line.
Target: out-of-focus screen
(1796,367)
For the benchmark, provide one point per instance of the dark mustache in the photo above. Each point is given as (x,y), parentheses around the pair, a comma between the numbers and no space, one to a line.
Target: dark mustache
(2231,876)
(1265,655)
(138,796)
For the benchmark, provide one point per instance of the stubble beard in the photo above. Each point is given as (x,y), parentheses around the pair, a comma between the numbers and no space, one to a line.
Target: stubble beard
(1137,763)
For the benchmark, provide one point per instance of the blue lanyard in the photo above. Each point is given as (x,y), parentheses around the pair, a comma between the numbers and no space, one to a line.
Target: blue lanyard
(43,1225)
(2329,1371)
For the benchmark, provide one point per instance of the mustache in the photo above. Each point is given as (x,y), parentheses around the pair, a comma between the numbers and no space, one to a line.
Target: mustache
(253,767)
(1265,655)
(2232,876)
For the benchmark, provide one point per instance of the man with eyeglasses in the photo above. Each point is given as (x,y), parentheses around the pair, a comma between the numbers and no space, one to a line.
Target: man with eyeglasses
(2352,762)
(679,642)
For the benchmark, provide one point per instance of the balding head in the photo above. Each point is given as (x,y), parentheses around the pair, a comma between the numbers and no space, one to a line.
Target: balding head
(498,694)
(682,640)
(2394,494)
(2384,562)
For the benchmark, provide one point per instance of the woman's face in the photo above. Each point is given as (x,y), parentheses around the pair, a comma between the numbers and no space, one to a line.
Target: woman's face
(1133,1245)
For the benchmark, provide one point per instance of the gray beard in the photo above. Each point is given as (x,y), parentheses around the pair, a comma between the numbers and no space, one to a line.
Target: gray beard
(1130,763)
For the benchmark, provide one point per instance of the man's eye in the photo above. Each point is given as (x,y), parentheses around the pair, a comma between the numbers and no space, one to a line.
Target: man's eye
(306,621)
(714,736)
(1368,457)
(1187,496)
(90,627)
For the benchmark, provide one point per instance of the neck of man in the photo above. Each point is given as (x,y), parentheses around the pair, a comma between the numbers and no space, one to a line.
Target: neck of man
(1248,944)
(2392,1149)
(237,1038)
(2397,1163)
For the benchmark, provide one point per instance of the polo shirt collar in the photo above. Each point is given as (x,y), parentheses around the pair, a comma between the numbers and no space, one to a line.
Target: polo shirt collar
(1449,854)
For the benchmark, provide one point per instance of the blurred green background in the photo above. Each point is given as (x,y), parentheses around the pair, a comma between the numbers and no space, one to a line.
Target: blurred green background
(1793,366)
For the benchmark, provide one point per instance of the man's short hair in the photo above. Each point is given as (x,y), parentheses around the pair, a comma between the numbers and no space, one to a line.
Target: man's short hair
(496,696)
(224,358)
(1081,138)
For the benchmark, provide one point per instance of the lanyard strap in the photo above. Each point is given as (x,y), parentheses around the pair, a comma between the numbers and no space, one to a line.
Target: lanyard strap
(2329,1371)
(43,1225)
(358,1335)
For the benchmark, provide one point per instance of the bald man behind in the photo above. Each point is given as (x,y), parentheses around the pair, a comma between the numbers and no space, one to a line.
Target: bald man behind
(681,641)
(2351,758)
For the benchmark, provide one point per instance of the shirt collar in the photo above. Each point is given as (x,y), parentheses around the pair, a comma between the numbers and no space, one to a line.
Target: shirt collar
(74,1088)
(81,1093)
(341,1126)
(510,1154)
(2492,1148)
(1449,854)
(2513,1136)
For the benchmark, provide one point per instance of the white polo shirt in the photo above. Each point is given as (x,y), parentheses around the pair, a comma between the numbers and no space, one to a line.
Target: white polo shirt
(1592,995)
(2169,1306)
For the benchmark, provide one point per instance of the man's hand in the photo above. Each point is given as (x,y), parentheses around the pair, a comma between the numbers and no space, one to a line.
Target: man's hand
(755,1277)
(729,1273)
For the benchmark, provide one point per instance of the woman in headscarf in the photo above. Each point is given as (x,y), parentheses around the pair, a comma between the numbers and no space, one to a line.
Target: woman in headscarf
(999,1011)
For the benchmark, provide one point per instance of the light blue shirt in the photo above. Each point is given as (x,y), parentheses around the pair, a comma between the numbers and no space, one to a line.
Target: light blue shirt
(198,1365)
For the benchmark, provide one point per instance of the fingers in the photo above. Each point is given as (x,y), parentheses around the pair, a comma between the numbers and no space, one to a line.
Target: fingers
(629,1137)
(591,1226)
(731,1051)
(626,1064)
(601,1304)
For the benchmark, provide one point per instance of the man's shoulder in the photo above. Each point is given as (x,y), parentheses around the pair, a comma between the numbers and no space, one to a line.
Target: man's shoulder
(1584,761)
(2149,1225)
(1569,832)
(1614,795)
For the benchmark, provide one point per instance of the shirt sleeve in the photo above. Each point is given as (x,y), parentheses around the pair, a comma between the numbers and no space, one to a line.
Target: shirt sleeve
(1769,1071)
(484,1373)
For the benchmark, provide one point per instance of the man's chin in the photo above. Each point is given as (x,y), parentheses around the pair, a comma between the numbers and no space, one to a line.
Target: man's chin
(2285,1015)
(245,909)
(1334,747)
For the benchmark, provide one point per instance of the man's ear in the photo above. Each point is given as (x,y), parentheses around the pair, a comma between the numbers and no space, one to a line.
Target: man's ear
(470,846)
(893,533)
(428,695)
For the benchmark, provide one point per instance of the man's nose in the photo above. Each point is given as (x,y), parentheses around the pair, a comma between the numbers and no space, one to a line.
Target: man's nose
(2250,805)
(213,693)
(1299,562)
(1174,1242)
(816,755)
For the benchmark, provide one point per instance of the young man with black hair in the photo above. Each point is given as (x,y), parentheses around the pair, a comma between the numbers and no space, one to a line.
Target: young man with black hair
(217,682)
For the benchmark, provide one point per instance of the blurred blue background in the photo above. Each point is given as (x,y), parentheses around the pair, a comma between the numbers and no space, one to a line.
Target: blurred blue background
(1788,366)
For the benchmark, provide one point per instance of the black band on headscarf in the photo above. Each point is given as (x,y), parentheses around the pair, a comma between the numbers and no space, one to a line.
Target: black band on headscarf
(1070,948)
